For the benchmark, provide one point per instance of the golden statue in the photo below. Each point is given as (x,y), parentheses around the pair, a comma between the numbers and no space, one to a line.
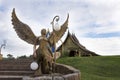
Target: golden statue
(43,54)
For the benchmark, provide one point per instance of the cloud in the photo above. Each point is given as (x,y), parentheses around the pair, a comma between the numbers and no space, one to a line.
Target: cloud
(91,20)
(102,46)
(99,17)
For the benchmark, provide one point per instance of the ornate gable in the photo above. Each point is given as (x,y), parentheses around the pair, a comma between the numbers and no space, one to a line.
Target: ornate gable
(72,46)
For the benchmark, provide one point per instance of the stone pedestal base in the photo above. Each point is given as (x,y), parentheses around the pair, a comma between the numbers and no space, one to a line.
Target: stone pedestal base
(63,72)
(63,77)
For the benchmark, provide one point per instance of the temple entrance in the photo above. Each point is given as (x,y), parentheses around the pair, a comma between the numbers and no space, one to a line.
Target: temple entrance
(72,53)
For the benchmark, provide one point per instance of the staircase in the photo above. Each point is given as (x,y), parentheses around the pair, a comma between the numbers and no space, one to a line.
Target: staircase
(15,69)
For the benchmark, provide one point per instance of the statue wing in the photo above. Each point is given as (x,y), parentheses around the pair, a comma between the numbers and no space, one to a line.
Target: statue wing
(23,30)
(56,35)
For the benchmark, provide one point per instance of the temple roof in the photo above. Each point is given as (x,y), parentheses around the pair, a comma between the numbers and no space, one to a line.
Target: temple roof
(76,42)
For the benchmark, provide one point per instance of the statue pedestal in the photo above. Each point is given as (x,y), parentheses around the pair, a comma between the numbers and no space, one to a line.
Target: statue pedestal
(74,76)
(62,72)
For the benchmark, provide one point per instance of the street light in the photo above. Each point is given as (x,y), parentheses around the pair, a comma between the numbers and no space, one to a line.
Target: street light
(56,26)
(2,46)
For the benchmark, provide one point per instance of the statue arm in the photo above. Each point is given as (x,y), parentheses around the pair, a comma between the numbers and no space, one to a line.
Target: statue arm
(34,51)
(34,48)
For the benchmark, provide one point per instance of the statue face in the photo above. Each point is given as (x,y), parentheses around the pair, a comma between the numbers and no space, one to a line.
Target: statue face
(43,32)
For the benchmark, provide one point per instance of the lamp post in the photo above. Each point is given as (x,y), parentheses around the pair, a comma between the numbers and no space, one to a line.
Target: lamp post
(55,27)
(2,46)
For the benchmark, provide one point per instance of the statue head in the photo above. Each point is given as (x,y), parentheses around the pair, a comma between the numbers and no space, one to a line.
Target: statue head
(43,32)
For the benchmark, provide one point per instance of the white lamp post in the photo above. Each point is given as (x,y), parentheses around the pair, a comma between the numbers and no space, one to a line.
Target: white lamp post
(2,46)
(56,26)
(34,65)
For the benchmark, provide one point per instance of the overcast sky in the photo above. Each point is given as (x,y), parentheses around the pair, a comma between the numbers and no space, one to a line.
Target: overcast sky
(96,23)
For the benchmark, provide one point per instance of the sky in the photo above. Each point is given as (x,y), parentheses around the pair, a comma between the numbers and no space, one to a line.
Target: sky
(96,23)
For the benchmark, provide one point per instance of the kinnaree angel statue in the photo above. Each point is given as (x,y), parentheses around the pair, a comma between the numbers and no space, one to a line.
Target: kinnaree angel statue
(43,54)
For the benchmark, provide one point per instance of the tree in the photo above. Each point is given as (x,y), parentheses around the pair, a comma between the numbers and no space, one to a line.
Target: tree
(10,56)
(22,57)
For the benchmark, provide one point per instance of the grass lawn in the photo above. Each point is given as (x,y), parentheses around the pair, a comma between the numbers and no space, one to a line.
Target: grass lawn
(95,68)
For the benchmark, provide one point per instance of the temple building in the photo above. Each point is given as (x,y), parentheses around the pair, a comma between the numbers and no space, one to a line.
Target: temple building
(72,47)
